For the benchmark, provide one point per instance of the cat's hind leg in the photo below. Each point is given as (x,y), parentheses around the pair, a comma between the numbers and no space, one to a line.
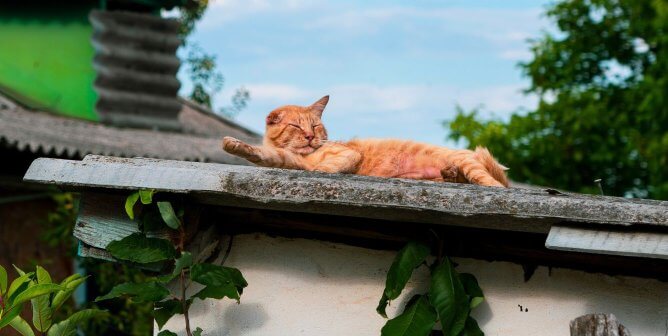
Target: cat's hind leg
(476,173)
(450,173)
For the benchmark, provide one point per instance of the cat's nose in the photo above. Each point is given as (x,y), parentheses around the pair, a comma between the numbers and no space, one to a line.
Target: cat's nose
(309,137)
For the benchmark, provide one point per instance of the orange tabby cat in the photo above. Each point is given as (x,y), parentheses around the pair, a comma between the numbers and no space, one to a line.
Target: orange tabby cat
(297,139)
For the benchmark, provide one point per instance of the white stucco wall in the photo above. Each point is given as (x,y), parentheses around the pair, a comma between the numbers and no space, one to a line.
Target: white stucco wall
(307,287)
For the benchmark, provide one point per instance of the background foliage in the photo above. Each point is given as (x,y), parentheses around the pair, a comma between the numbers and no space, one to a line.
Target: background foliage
(126,317)
(602,80)
(202,68)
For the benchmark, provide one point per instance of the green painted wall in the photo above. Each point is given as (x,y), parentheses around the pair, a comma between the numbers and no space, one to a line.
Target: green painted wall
(46,60)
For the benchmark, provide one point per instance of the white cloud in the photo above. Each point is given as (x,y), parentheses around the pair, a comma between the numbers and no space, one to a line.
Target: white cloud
(495,25)
(221,12)
(355,98)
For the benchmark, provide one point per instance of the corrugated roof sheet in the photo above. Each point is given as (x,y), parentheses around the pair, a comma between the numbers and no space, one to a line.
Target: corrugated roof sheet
(45,133)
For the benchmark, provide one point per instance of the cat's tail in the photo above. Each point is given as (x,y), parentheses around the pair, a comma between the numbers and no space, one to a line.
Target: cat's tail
(497,170)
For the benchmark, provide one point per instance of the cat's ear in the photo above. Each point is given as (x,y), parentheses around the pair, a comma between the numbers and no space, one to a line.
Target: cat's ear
(274,117)
(319,106)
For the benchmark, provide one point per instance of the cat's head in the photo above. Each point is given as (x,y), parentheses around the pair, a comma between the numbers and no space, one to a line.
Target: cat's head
(297,128)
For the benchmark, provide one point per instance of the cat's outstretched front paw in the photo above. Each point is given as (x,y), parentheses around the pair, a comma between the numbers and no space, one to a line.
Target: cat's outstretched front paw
(232,145)
(240,148)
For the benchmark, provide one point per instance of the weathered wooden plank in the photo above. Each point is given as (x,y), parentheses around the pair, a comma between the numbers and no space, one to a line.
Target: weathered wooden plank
(102,219)
(595,240)
(87,251)
(598,325)
(358,196)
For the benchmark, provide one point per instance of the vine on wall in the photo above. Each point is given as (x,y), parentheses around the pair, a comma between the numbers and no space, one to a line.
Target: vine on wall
(450,298)
(217,281)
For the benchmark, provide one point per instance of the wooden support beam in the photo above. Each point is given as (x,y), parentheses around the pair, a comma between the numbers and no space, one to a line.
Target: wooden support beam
(648,244)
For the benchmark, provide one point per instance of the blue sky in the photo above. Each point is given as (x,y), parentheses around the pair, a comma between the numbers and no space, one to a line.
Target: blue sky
(391,68)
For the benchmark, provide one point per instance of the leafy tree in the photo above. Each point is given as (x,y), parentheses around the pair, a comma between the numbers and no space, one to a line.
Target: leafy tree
(602,80)
(201,66)
(206,79)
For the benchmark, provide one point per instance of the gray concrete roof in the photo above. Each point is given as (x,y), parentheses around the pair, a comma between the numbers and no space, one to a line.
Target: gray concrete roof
(575,222)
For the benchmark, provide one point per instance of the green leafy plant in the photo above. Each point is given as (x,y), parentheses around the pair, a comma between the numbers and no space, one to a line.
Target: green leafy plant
(46,299)
(450,298)
(125,317)
(217,281)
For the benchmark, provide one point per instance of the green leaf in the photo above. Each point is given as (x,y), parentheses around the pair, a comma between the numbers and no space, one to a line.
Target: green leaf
(447,295)
(164,310)
(41,312)
(139,292)
(163,279)
(168,215)
(197,332)
(218,292)
(43,276)
(33,292)
(41,305)
(21,326)
(130,204)
(17,286)
(70,283)
(471,328)
(141,249)
(472,289)
(167,333)
(408,258)
(69,326)
(382,305)
(184,261)
(146,196)
(70,279)
(220,281)
(417,319)
(9,315)
(3,281)
(18,270)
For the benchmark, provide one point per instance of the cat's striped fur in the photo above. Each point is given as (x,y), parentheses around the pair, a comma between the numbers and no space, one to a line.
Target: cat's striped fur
(296,139)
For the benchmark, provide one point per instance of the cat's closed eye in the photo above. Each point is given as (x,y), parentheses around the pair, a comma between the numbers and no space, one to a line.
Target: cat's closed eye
(295,125)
